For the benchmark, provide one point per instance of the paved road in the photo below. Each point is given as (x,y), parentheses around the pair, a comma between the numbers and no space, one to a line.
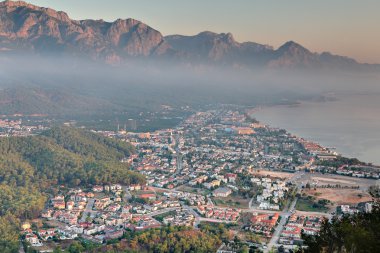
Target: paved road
(178,156)
(209,201)
(89,206)
(250,203)
(284,218)
(162,211)
(287,212)
(21,249)
(163,189)
(191,210)
(215,220)
(127,194)
(197,220)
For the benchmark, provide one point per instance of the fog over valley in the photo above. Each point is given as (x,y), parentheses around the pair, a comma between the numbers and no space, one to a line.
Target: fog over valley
(148,84)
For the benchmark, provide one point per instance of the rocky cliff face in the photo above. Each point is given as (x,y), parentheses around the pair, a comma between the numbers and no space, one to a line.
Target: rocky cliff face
(293,55)
(26,27)
(222,48)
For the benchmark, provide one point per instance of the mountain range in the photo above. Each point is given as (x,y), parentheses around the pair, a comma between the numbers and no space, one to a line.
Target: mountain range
(28,28)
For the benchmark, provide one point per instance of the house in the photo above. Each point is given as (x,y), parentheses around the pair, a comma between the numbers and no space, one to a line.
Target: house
(134,187)
(149,196)
(212,184)
(59,198)
(59,205)
(70,205)
(225,249)
(115,187)
(114,234)
(47,214)
(90,231)
(244,130)
(26,226)
(33,240)
(222,192)
(231,177)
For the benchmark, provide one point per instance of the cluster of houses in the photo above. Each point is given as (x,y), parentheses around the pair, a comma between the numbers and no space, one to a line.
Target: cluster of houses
(154,205)
(103,213)
(263,223)
(364,207)
(317,150)
(192,199)
(182,217)
(38,238)
(67,210)
(273,191)
(296,224)
(142,222)
(224,214)
(210,148)
(157,157)
(215,180)
(351,171)
(98,215)
(16,127)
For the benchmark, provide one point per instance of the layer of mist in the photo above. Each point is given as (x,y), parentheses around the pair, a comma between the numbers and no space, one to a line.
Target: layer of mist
(72,85)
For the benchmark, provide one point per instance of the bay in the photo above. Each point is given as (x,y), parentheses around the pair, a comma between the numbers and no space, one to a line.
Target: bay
(351,124)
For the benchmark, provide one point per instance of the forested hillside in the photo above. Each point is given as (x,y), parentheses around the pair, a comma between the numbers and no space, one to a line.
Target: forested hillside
(31,167)
(169,239)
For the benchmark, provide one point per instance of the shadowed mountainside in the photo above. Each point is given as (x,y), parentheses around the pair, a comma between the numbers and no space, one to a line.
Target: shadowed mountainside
(28,28)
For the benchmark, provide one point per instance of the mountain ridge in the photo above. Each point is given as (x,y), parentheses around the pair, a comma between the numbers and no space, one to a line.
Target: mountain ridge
(30,28)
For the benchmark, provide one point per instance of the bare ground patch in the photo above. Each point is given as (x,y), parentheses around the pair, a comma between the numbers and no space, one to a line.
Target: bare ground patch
(277,174)
(339,196)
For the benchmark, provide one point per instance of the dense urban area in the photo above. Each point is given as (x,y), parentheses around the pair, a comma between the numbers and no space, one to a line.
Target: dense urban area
(263,187)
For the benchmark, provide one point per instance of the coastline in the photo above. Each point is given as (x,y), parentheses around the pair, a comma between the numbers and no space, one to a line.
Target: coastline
(327,130)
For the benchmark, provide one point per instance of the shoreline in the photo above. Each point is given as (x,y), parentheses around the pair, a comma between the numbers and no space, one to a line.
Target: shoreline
(307,136)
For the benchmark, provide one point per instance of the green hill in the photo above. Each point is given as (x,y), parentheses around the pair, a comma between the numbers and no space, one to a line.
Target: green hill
(31,167)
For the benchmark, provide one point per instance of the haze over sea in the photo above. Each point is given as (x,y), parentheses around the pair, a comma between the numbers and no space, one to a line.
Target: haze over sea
(351,124)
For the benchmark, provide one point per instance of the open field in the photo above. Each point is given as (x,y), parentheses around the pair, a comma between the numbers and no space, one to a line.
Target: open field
(325,179)
(339,196)
(140,192)
(277,174)
(311,205)
(186,188)
(231,201)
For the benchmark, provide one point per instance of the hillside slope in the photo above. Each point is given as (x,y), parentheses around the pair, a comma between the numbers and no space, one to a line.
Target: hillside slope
(31,167)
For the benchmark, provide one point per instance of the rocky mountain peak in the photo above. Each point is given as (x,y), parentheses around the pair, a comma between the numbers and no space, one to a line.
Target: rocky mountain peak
(293,47)
(21,6)
(46,30)
(293,55)
(24,26)
(229,38)
(9,3)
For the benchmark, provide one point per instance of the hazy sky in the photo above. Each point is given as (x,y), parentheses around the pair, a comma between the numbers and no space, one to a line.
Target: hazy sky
(345,27)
